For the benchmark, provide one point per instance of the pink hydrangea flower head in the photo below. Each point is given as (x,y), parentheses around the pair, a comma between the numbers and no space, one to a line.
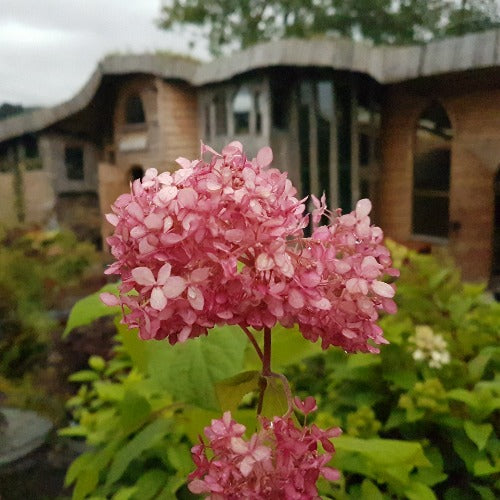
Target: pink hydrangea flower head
(222,242)
(281,461)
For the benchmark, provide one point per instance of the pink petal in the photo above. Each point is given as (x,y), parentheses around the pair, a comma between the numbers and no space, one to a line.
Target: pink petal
(310,279)
(158,300)
(195,297)
(135,210)
(167,193)
(153,221)
(383,289)
(183,162)
(295,299)
(187,197)
(363,208)
(112,219)
(143,276)
(265,156)
(174,286)
(199,275)
(264,262)
(164,273)
(109,299)
(234,235)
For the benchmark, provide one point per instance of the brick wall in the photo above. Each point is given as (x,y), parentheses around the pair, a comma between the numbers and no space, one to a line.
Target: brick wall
(475,155)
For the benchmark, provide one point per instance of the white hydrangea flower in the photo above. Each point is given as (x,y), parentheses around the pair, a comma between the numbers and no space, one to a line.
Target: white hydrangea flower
(429,347)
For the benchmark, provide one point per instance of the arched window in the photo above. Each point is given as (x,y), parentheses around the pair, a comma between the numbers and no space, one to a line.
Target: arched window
(135,172)
(134,111)
(431,173)
(242,106)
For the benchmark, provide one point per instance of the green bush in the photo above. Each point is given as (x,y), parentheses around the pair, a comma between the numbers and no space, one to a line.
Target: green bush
(36,268)
(417,425)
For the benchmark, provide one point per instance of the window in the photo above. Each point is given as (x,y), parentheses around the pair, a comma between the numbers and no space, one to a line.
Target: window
(73,159)
(134,111)
(258,112)
(280,102)
(207,121)
(242,106)
(220,114)
(431,173)
(136,172)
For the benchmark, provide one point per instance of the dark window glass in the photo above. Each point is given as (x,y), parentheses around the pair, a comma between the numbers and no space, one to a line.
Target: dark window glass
(431,173)
(343,108)
(324,110)
(364,150)
(73,159)
(134,111)
(258,112)
(31,146)
(242,105)
(304,139)
(220,115)
(280,103)
(136,172)
(207,121)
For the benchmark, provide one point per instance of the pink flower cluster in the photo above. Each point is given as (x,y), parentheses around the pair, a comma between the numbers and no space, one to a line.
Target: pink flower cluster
(222,242)
(281,461)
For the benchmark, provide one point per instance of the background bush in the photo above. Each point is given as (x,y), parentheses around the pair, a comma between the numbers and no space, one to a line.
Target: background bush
(418,425)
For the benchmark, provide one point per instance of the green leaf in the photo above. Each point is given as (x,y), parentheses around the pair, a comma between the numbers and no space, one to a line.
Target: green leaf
(478,364)
(148,437)
(125,493)
(384,451)
(179,455)
(369,491)
(90,308)
(74,431)
(483,467)
(275,402)
(288,347)
(86,483)
(149,484)
(134,409)
(419,491)
(478,433)
(80,463)
(231,391)
(189,371)
(136,348)
(84,376)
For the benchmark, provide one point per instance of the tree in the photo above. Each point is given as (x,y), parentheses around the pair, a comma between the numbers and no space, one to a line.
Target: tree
(230,24)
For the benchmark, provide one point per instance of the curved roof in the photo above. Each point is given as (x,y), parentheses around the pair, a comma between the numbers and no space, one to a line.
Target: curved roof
(386,64)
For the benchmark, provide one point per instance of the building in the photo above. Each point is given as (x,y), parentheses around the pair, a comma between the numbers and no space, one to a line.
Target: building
(416,129)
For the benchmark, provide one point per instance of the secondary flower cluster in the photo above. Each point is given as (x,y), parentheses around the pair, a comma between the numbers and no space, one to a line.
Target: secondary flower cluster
(281,461)
(430,347)
(222,241)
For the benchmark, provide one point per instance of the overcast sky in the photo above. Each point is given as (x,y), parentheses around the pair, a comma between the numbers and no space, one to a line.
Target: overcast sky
(49,48)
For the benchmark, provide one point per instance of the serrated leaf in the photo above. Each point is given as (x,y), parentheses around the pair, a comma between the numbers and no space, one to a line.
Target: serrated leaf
(189,371)
(90,308)
(231,391)
(124,493)
(148,437)
(80,463)
(478,433)
(483,467)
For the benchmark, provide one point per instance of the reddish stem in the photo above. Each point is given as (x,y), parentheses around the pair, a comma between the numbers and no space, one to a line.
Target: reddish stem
(253,341)
(266,360)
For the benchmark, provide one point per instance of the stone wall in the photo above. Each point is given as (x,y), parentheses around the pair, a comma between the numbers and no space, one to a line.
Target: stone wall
(475,154)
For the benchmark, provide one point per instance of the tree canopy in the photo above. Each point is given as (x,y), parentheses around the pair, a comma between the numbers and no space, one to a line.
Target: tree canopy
(235,24)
